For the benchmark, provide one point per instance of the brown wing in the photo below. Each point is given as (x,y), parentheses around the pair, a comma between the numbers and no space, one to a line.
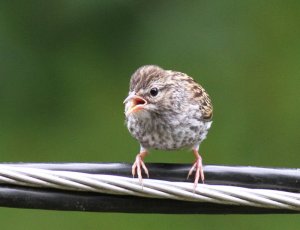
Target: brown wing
(207,108)
(201,96)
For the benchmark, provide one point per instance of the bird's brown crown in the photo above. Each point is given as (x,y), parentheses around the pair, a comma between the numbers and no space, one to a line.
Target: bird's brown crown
(144,75)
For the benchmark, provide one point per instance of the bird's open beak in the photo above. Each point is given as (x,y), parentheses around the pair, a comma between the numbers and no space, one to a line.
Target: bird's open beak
(136,103)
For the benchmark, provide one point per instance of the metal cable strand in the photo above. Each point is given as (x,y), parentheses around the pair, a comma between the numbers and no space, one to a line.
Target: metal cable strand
(152,188)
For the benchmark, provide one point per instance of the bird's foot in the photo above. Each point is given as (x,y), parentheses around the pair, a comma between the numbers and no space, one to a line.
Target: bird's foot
(197,166)
(138,165)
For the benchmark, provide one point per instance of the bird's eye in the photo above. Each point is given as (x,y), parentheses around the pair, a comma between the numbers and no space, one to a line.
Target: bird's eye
(154,91)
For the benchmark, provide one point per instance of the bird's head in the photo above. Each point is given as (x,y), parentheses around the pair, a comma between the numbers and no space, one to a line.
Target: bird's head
(149,86)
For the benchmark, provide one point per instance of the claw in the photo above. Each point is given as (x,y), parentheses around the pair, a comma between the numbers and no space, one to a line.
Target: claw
(199,169)
(138,165)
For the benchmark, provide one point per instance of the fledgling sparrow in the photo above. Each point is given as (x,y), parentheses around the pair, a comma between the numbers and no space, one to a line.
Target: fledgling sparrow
(167,110)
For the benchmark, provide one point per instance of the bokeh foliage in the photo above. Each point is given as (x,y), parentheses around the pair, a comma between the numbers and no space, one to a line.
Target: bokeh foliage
(65,68)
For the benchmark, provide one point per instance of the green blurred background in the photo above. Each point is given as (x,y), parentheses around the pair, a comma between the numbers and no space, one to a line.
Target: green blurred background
(64,72)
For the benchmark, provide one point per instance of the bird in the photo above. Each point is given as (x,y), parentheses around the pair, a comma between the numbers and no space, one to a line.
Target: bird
(167,110)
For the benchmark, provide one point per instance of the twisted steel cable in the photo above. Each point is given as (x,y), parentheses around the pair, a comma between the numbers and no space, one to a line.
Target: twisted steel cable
(242,189)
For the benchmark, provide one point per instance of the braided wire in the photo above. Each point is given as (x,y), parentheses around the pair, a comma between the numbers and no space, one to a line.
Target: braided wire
(120,185)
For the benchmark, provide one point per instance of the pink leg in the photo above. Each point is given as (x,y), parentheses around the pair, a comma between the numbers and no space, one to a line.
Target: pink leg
(138,165)
(198,167)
